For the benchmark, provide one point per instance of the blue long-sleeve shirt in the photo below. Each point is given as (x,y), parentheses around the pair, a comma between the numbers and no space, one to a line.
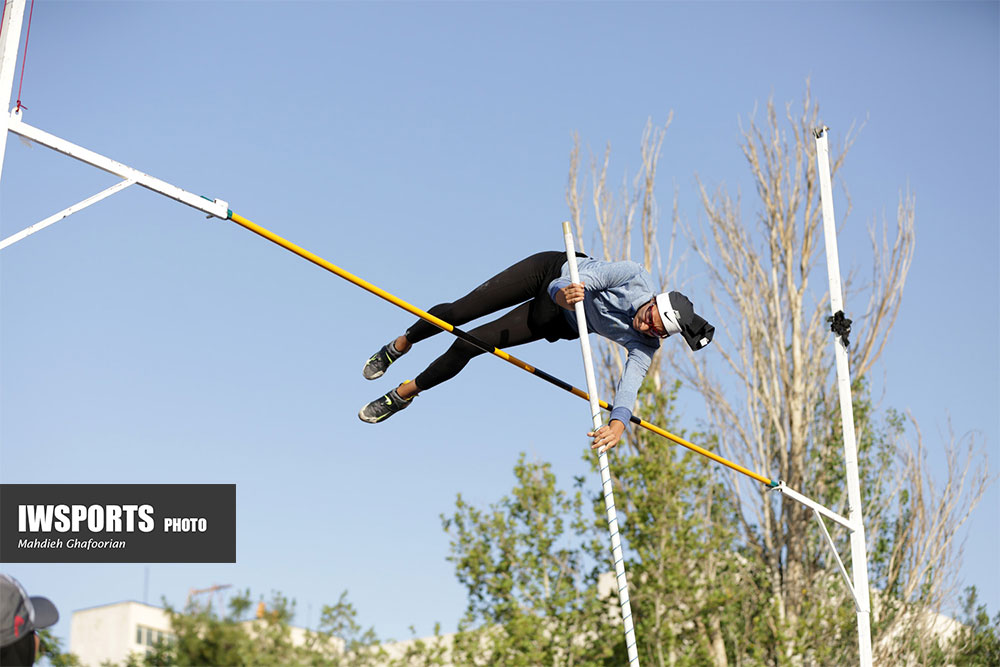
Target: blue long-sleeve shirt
(613,292)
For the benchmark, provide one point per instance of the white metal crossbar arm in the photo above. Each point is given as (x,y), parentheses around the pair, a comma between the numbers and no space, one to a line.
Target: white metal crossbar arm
(814,506)
(602,460)
(217,208)
(840,563)
(65,213)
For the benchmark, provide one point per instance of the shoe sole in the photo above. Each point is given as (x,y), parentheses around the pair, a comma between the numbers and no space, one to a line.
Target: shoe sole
(367,420)
(381,418)
(376,374)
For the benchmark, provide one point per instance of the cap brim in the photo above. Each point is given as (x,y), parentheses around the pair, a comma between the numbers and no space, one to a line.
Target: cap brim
(46,613)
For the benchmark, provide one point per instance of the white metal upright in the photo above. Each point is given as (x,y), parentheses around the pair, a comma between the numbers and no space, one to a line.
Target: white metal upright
(602,460)
(859,551)
(10,39)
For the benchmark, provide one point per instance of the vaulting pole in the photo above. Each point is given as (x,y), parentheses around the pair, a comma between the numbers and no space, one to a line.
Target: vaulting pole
(602,459)
(859,552)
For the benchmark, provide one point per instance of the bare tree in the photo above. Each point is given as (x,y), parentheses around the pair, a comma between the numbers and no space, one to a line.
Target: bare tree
(771,401)
(780,413)
(918,573)
(773,339)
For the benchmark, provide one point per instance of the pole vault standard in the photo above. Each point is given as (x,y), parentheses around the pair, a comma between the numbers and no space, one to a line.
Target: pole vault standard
(219,209)
(602,459)
(859,552)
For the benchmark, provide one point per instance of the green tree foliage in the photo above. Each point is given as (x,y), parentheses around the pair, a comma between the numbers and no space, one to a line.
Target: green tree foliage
(977,643)
(201,636)
(531,563)
(684,566)
(531,598)
(699,590)
(53,653)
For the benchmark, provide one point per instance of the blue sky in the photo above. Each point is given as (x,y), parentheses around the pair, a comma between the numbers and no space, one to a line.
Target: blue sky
(423,146)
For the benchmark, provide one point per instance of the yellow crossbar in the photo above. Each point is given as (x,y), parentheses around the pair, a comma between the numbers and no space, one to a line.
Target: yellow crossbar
(438,322)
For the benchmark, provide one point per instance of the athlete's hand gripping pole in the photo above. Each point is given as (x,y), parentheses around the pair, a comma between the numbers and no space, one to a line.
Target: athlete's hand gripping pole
(609,498)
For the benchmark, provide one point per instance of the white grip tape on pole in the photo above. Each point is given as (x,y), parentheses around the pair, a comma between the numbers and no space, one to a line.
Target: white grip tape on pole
(609,498)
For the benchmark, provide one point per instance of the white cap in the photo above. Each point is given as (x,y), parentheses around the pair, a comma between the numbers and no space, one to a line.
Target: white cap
(667,313)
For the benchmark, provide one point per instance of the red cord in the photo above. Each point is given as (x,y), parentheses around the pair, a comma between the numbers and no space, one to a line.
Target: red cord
(24,58)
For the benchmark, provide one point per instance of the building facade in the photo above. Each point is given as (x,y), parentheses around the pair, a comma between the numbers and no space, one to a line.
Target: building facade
(111,632)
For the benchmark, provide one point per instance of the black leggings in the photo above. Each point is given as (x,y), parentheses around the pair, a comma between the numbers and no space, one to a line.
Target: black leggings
(537,317)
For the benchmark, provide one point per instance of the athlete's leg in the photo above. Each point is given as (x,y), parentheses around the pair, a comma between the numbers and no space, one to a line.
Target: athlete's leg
(511,329)
(513,285)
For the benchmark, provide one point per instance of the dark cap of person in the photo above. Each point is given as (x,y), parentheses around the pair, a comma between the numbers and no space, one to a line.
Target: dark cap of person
(20,615)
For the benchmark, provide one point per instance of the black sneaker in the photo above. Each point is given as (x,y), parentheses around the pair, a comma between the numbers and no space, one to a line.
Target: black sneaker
(380,361)
(383,408)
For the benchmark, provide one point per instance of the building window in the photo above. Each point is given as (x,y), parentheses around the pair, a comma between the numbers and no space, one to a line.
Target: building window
(146,636)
